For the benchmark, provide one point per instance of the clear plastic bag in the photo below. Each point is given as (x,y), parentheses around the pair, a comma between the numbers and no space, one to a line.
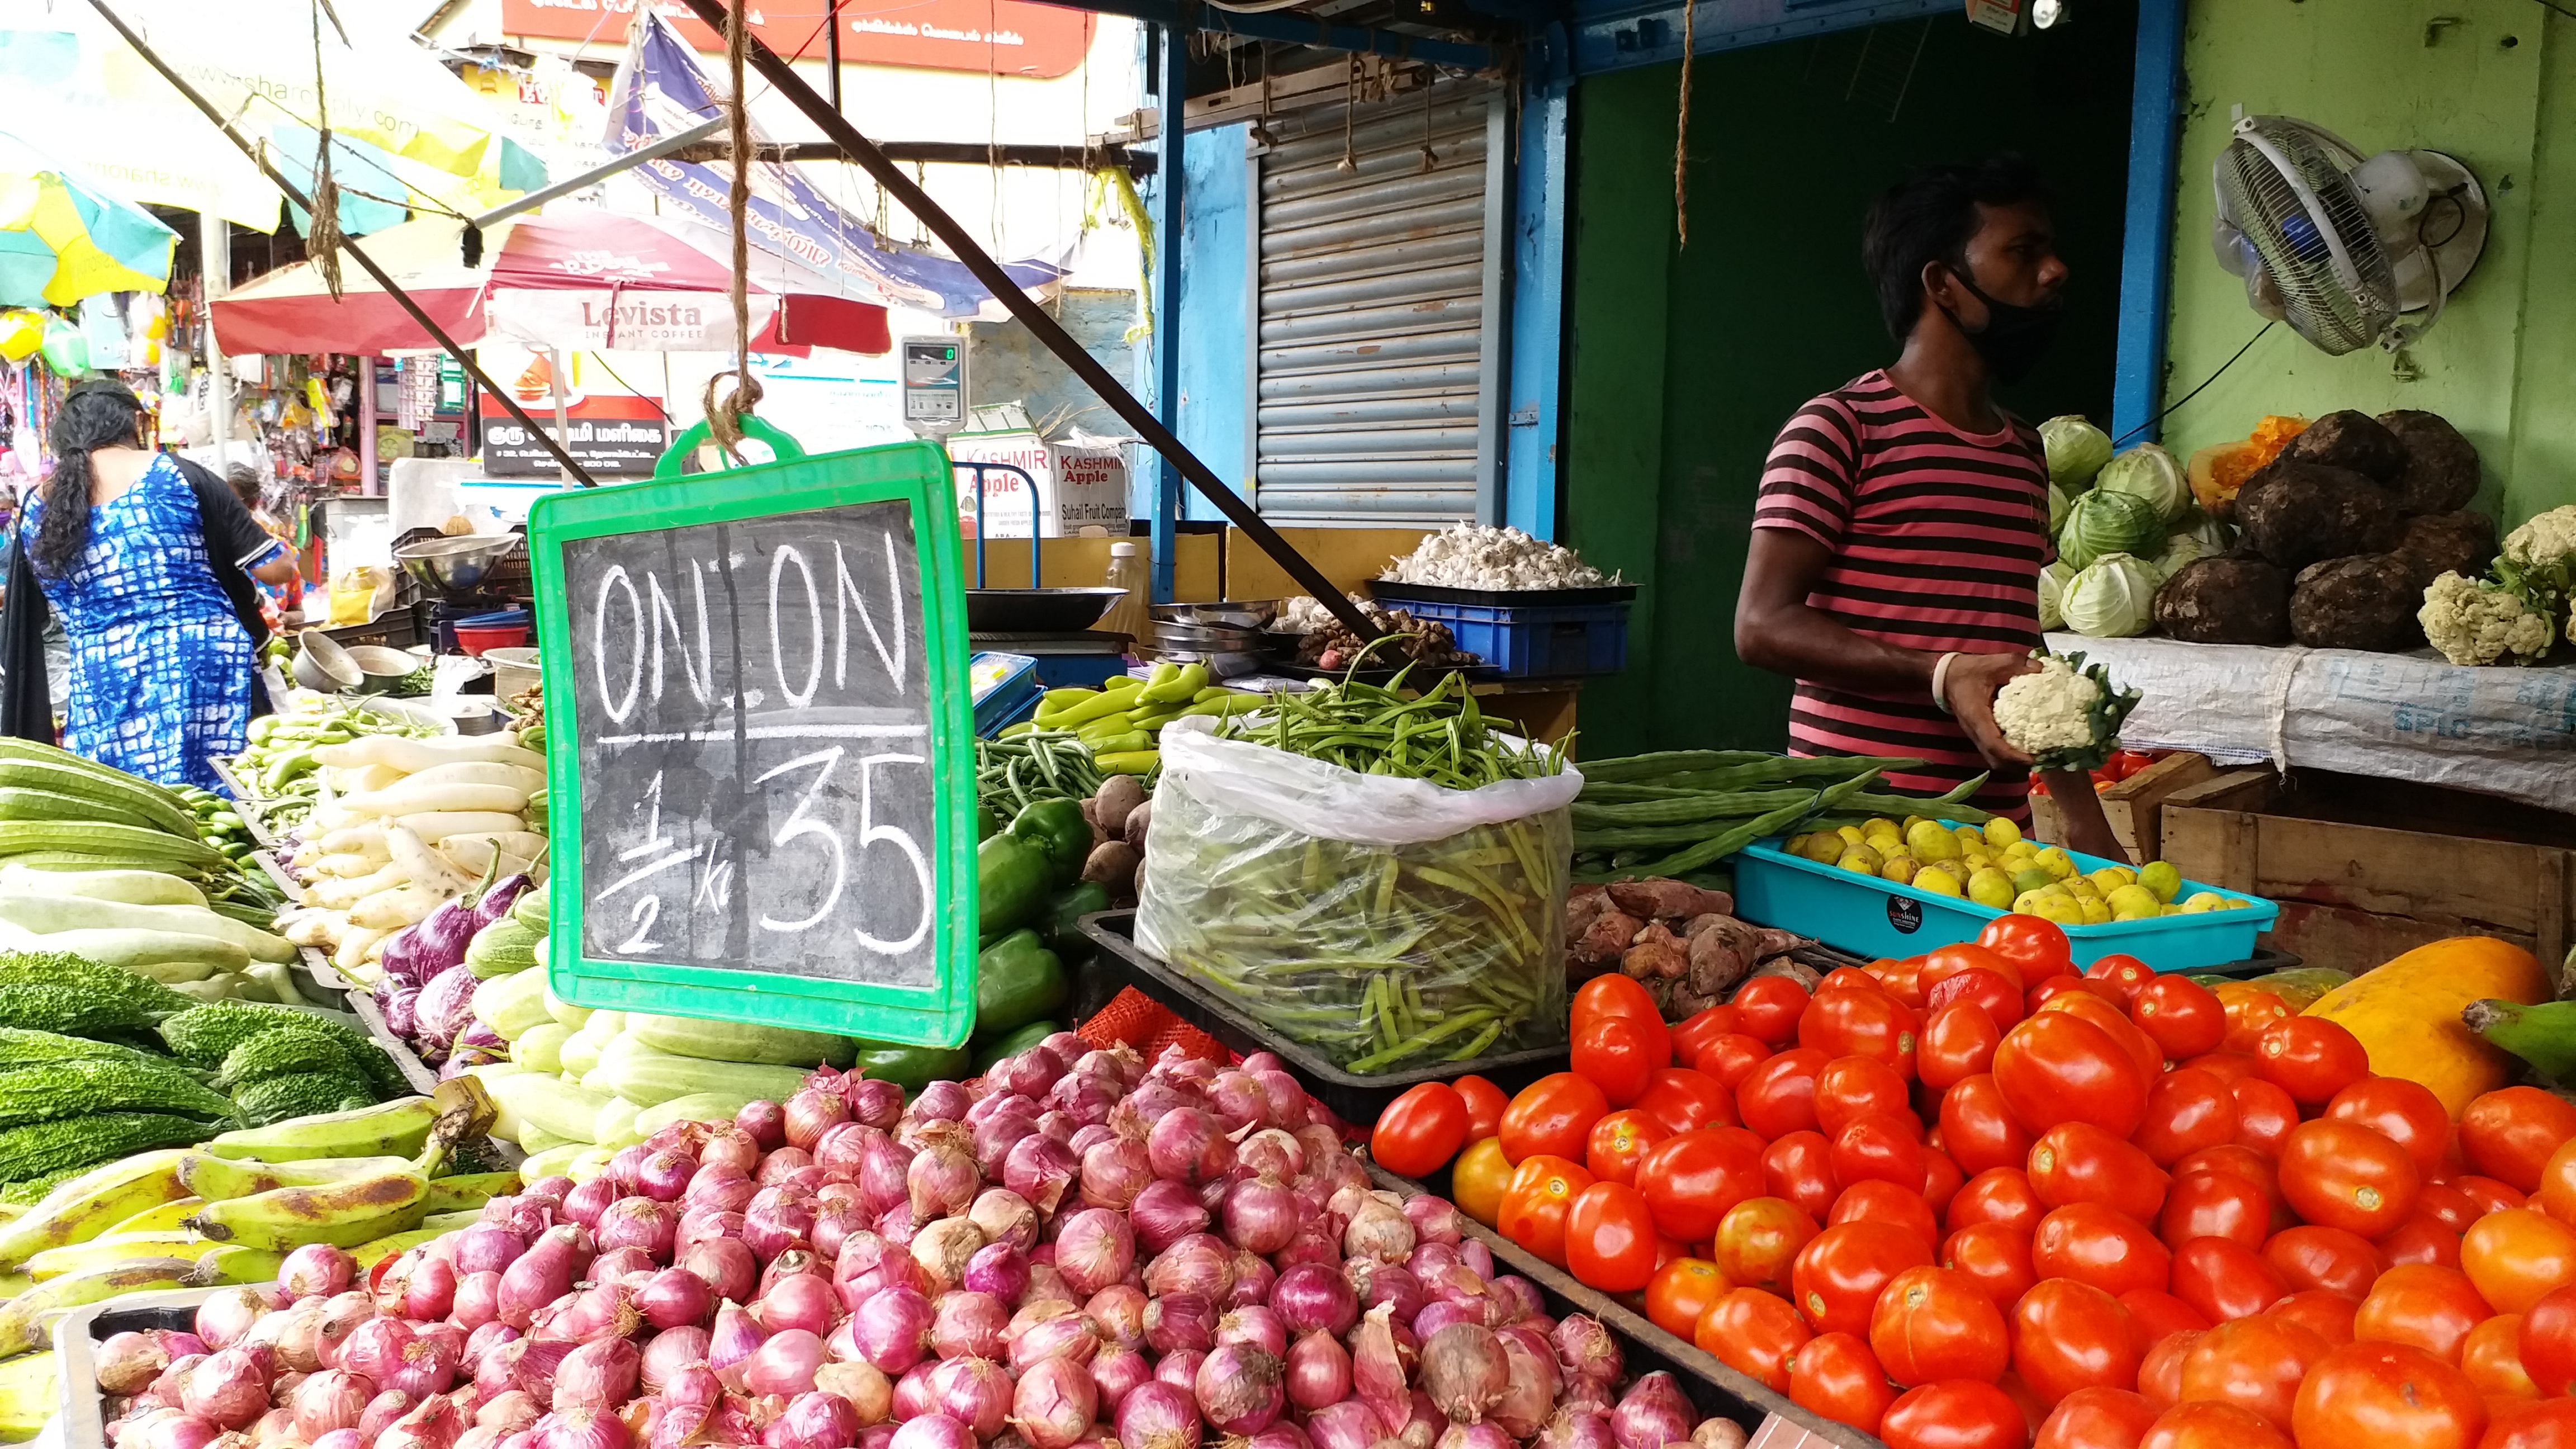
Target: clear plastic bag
(1385,924)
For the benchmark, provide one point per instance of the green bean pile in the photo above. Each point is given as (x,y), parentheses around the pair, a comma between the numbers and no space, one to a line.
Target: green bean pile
(1378,959)
(1012,774)
(1678,812)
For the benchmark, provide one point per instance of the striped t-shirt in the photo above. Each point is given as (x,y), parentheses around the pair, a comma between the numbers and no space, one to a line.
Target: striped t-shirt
(1938,537)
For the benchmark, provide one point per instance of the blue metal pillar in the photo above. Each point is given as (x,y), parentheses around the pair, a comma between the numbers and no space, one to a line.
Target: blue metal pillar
(1167,73)
(2146,276)
(1537,326)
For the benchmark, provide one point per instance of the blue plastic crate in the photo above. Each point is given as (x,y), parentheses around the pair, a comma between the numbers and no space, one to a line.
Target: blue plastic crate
(1534,641)
(1005,687)
(1870,917)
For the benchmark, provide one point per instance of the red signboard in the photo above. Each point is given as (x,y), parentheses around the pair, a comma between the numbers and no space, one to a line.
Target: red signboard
(1004,37)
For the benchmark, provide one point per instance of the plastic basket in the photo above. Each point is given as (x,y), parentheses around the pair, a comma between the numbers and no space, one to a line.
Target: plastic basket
(1534,636)
(1872,918)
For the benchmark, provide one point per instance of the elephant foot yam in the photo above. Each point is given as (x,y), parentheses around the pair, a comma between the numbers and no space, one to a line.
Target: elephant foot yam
(2354,440)
(2296,514)
(2365,602)
(2441,472)
(2230,600)
(2435,544)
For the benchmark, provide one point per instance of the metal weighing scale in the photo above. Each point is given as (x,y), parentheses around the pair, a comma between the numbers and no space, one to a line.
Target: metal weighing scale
(1050,626)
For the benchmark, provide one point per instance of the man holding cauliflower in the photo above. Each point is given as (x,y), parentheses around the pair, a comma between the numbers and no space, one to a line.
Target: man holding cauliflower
(1903,517)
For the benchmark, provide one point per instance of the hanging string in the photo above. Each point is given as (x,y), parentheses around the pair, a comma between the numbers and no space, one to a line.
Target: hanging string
(1350,113)
(1681,139)
(322,230)
(724,418)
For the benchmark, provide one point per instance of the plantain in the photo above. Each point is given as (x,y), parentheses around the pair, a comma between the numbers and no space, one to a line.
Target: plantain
(218,1179)
(111,1249)
(231,1263)
(368,1255)
(2543,1035)
(91,1203)
(397,1128)
(343,1214)
(157,1219)
(469,1190)
(27,1318)
(29,1395)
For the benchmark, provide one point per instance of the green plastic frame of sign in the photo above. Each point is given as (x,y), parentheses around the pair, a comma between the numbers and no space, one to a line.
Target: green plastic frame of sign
(915,473)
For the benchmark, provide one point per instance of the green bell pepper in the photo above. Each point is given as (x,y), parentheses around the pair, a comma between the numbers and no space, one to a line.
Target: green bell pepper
(1057,828)
(987,824)
(1061,926)
(1012,877)
(910,1067)
(1017,981)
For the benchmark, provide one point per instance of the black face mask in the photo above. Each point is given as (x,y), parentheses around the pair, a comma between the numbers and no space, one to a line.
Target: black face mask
(2016,337)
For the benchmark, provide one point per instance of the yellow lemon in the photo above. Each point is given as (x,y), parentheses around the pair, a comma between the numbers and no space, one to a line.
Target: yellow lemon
(1976,859)
(1824,847)
(2031,878)
(2105,880)
(1936,880)
(2126,875)
(2170,910)
(2027,903)
(2055,861)
(2134,903)
(1930,842)
(1899,868)
(2080,888)
(2061,910)
(1966,834)
(2161,877)
(1990,887)
(1955,869)
(1851,835)
(2001,832)
(1911,821)
(1879,825)
(1860,858)
(2204,901)
(2097,912)
(2019,853)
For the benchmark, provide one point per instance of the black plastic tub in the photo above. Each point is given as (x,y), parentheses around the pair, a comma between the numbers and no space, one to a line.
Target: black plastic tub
(1354,1099)
(1711,1386)
(82,1421)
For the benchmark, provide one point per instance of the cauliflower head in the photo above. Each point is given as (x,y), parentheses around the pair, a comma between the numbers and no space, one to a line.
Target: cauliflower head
(2548,539)
(2064,716)
(2473,622)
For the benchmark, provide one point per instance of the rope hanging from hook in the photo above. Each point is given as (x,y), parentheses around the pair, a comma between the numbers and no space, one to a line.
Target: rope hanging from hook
(1681,138)
(322,228)
(724,416)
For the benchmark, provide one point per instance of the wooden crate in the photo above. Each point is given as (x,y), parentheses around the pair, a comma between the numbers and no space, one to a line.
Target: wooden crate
(2132,807)
(2353,896)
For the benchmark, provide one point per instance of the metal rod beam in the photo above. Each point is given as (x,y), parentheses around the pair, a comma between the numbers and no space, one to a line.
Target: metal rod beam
(958,153)
(464,358)
(1297,30)
(832,50)
(1041,324)
(600,173)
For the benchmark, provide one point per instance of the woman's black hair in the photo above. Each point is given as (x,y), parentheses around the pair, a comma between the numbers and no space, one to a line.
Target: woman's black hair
(1931,216)
(96,414)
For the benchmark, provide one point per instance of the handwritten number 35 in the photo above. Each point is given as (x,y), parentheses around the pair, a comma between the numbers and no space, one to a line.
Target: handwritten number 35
(801,824)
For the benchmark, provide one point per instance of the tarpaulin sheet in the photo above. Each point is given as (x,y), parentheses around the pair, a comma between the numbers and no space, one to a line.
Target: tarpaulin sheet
(2499,730)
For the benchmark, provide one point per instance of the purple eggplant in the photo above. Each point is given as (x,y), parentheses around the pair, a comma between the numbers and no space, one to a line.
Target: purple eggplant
(445,1008)
(402,1012)
(442,938)
(400,957)
(497,901)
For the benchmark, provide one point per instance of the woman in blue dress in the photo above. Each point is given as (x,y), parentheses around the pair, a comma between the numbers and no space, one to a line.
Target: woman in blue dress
(142,559)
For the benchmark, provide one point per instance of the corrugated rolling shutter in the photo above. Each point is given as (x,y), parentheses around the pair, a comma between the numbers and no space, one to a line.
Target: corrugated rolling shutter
(1379,341)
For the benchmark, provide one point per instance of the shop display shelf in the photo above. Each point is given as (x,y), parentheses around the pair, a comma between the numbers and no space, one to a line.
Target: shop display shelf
(1711,1386)
(1872,918)
(1352,1098)
(83,1419)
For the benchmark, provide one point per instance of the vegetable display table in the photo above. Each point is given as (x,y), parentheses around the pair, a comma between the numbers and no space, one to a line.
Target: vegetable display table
(2497,730)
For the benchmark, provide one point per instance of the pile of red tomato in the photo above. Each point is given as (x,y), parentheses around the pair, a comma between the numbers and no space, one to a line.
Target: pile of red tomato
(1976,1200)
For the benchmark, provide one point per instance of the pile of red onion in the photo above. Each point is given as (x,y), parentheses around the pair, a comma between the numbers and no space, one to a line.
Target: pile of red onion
(1072,1250)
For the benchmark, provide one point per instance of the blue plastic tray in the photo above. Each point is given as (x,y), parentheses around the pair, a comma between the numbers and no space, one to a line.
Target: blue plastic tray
(1871,917)
(1005,688)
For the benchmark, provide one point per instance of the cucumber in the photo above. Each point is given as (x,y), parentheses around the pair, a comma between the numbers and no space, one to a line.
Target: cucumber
(735,1041)
(49,914)
(541,1046)
(641,1075)
(551,1162)
(695,1107)
(511,1004)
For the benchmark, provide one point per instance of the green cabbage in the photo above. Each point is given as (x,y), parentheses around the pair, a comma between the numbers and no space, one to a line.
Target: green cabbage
(2103,522)
(2113,597)
(2056,509)
(2052,584)
(2152,474)
(2180,549)
(2076,450)
(2217,537)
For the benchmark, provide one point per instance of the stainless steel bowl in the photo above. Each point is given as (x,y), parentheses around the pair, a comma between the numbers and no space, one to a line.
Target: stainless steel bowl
(1231,614)
(1206,637)
(455,565)
(1221,663)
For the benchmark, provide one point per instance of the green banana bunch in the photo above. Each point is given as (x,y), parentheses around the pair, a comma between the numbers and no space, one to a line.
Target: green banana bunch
(345,1211)
(29,1394)
(92,1203)
(27,1318)
(2543,1035)
(219,1179)
(389,1129)
(108,1251)
(231,1263)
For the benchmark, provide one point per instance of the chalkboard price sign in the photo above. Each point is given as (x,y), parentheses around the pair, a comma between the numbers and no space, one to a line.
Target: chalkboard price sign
(762,777)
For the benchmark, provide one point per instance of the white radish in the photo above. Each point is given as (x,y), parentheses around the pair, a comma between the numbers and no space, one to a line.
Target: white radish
(427,869)
(339,893)
(410,799)
(354,839)
(472,854)
(355,942)
(353,865)
(436,825)
(394,909)
(412,755)
(481,773)
(373,777)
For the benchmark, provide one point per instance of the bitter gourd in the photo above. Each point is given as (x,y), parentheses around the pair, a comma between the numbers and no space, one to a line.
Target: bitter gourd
(76,1089)
(22,1048)
(44,1148)
(283,1052)
(52,991)
(203,1036)
(306,1094)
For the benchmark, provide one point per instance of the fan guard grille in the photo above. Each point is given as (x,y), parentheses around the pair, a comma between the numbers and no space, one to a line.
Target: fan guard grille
(2336,317)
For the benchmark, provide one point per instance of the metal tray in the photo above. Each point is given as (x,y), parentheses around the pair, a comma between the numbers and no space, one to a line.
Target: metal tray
(1036,611)
(1395,593)
(1712,1387)
(1354,1099)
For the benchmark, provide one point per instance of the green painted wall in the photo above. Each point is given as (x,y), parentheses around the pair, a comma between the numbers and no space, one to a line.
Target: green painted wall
(2494,84)
(1686,360)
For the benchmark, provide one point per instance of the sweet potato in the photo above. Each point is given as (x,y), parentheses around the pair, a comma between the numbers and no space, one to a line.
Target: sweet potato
(2367,601)
(2295,514)
(2441,472)
(1668,899)
(1657,953)
(2434,544)
(2353,440)
(2235,599)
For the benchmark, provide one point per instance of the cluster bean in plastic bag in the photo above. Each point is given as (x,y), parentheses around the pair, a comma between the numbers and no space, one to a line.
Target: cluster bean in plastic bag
(1385,924)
